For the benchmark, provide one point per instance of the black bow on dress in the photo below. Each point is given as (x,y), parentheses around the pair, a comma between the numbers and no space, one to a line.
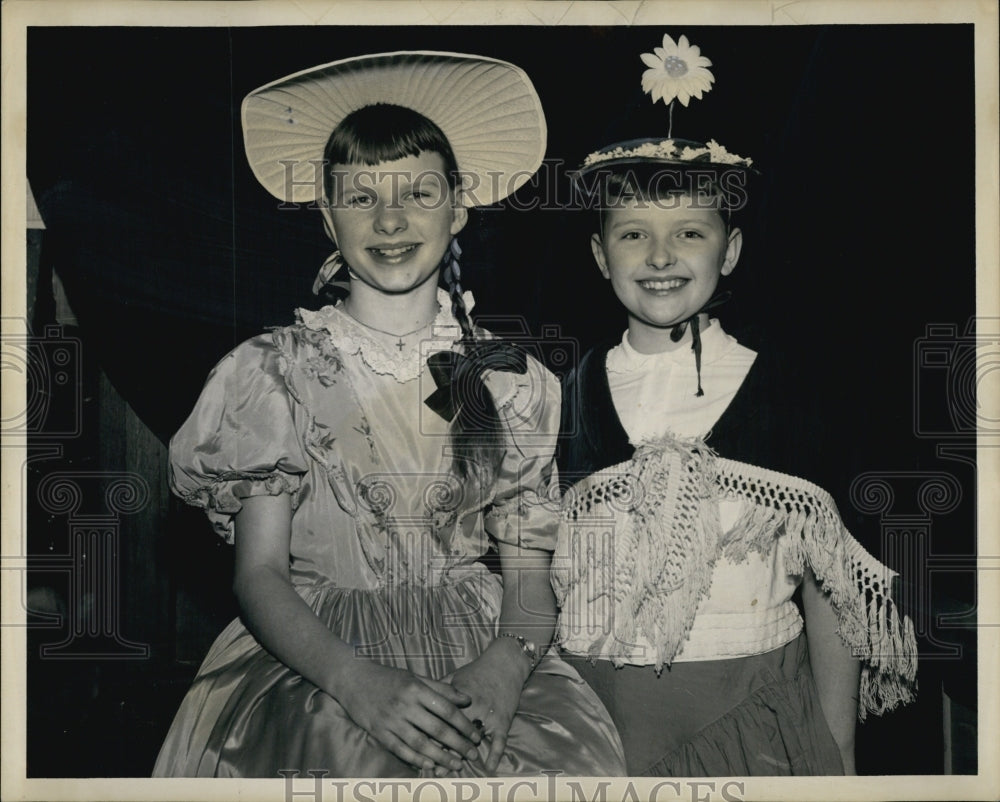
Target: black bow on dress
(459,377)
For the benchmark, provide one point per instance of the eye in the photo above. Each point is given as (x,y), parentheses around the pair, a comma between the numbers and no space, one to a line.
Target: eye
(424,193)
(358,200)
(691,234)
(629,235)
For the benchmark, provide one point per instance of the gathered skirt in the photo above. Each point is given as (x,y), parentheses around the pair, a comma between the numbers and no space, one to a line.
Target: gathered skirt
(249,715)
(748,716)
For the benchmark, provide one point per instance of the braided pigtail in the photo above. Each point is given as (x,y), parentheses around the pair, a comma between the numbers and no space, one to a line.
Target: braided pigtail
(476,432)
(452,275)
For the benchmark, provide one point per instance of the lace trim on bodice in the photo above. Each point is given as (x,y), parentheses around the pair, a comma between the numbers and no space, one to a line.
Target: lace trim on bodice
(377,351)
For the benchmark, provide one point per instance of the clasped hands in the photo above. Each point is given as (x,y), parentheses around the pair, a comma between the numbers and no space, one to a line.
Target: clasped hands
(436,725)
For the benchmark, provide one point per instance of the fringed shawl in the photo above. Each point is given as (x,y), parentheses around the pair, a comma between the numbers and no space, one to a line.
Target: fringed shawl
(649,578)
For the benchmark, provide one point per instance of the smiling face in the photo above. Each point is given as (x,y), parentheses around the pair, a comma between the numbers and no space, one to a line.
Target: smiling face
(664,259)
(394,220)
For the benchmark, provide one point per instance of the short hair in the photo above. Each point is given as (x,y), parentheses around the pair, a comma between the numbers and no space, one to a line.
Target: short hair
(385,132)
(725,188)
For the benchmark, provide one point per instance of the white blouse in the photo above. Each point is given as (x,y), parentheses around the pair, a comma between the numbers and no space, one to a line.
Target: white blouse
(654,393)
(748,609)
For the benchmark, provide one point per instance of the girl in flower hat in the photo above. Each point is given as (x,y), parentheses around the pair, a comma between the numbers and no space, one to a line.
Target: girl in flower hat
(363,459)
(689,519)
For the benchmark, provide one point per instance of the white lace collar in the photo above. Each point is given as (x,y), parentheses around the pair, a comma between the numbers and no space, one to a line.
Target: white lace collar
(377,351)
(715,344)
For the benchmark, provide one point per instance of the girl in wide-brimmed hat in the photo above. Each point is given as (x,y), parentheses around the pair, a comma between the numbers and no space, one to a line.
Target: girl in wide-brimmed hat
(364,458)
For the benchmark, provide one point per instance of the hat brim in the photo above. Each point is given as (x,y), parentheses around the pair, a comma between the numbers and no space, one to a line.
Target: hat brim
(488,109)
(649,154)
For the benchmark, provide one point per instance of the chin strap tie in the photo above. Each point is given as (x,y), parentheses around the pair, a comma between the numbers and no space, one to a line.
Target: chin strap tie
(679,329)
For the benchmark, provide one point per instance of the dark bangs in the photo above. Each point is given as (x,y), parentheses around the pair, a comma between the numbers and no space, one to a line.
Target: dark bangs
(728,186)
(383,133)
(722,188)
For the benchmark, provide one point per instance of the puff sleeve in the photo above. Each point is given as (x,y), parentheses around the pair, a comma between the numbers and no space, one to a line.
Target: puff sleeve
(240,440)
(525,508)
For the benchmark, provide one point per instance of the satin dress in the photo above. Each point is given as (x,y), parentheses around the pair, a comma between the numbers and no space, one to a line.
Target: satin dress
(386,548)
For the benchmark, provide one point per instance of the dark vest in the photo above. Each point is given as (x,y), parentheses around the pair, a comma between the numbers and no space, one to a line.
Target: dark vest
(766,424)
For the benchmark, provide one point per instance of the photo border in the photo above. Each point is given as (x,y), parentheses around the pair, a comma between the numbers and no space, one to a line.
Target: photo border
(17,16)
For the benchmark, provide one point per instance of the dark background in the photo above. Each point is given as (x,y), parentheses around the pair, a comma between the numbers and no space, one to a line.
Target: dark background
(859,237)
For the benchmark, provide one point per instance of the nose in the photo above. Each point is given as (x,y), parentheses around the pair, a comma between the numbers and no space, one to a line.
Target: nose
(390,218)
(660,254)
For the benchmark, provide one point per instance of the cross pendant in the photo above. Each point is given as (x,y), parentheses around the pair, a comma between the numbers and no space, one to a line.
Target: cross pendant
(399,345)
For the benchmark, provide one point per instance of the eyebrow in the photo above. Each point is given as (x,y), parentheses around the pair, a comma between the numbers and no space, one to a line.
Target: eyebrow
(626,222)
(632,221)
(368,179)
(694,221)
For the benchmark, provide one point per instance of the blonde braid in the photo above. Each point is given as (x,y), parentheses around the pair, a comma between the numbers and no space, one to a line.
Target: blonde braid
(477,439)
(452,275)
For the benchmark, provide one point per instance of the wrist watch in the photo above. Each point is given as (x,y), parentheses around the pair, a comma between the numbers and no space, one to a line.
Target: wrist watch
(528,648)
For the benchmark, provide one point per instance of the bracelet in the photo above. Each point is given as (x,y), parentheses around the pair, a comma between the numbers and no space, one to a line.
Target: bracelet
(528,648)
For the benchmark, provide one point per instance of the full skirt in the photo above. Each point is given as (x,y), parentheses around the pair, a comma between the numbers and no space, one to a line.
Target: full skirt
(747,716)
(249,715)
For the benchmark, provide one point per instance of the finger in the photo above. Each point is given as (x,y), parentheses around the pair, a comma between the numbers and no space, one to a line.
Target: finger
(428,747)
(445,734)
(448,691)
(400,749)
(497,747)
(453,717)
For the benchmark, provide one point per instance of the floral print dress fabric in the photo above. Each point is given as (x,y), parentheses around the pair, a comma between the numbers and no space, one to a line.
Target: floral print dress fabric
(385,547)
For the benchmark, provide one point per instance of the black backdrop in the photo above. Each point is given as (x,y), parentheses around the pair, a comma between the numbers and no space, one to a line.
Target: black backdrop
(862,231)
(860,234)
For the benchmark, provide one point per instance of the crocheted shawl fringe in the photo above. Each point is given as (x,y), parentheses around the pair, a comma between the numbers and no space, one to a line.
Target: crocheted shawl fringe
(667,538)
(805,519)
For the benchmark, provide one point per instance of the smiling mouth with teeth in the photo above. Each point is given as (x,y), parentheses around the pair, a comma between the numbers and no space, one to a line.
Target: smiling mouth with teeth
(663,284)
(393,251)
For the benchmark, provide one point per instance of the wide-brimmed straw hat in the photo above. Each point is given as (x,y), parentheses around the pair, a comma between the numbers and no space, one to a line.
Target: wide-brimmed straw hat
(488,110)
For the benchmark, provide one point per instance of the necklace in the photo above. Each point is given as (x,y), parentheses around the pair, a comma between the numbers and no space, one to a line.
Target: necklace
(399,343)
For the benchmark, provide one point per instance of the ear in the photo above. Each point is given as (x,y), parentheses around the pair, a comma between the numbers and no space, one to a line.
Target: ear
(597,248)
(460,216)
(732,251)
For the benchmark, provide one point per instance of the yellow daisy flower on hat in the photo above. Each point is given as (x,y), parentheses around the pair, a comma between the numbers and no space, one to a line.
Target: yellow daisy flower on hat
(676,70)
